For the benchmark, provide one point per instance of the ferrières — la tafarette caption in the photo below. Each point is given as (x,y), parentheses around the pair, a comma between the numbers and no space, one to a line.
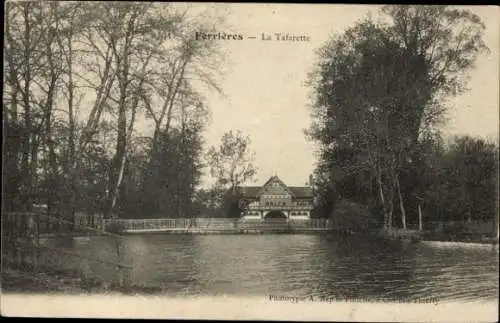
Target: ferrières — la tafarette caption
(276,36)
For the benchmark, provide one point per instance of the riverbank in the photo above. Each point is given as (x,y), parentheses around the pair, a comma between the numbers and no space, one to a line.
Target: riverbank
(194,232)
(459,237)
(428,236)
(478,241)
(65,282)
(197,231)
(393,234)
(460,245)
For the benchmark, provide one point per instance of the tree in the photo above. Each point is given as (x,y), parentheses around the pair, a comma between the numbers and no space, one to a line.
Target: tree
(170,172)
(171,176)
(233,203)
(465,186)
(231,164)
(379,86)
(77,78)
(151,35)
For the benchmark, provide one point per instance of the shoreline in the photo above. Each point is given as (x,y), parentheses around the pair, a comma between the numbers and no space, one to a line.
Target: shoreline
(460,243)
(415,236)
(394,236)
(473,241)
(199,232)
(66,282)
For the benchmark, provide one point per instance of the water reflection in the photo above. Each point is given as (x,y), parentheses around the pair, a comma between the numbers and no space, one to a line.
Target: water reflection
(301,265)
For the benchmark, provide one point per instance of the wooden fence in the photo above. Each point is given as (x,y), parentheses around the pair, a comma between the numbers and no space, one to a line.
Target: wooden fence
(201,225)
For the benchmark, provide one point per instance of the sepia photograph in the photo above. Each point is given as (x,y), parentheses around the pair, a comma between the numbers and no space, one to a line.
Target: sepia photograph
(250,161)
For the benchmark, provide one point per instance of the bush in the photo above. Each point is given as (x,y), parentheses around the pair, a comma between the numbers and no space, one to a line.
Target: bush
(350,216)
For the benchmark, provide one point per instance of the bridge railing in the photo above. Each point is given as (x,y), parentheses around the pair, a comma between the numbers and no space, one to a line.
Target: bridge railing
(280,207)
(219,224)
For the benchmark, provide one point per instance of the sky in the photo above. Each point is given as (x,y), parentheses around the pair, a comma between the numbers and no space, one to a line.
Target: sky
(266,98)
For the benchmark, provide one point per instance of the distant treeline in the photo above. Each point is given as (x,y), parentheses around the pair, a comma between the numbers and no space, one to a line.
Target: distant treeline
(454,182)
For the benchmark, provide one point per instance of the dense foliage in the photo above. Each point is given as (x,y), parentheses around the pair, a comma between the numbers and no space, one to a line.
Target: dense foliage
(102,107)
(380,91)
(231,165)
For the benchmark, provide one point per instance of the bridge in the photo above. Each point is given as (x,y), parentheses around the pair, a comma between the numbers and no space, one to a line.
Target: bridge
(220,225)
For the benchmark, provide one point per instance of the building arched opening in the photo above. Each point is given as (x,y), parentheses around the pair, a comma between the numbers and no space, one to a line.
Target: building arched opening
(275,221)
(275,215)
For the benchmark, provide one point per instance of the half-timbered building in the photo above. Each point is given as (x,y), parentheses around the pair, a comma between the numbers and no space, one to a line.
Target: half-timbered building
(276,200)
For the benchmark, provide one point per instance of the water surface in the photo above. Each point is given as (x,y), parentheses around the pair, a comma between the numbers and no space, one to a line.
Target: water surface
(341,267)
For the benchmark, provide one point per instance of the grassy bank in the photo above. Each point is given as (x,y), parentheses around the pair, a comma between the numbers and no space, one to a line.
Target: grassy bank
(458,237)
(415,236)
(67,282)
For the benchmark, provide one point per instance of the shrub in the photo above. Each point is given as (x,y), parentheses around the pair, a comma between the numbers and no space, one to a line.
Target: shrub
(350,216)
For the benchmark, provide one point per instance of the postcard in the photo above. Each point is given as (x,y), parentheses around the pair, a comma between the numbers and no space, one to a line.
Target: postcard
(244,161)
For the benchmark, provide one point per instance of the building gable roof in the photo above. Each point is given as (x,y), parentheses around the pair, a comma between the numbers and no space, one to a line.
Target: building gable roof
(274,179)
(295,191)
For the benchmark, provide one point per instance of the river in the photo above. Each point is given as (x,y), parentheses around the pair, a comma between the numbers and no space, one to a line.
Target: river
(340,267)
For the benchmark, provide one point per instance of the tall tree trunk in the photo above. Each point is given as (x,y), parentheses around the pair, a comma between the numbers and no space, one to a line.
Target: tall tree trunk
(65,43)
(102,94)
(28,128)
(167,108)
(72,142)
(124,137)
(76,147)
(419,217)
(391,207)
(34,166)
(52,173)
(401,203)
(13,73)
(382,198)
(118,165)
(119,160)
(382,201)
(118,177)
(12,138)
